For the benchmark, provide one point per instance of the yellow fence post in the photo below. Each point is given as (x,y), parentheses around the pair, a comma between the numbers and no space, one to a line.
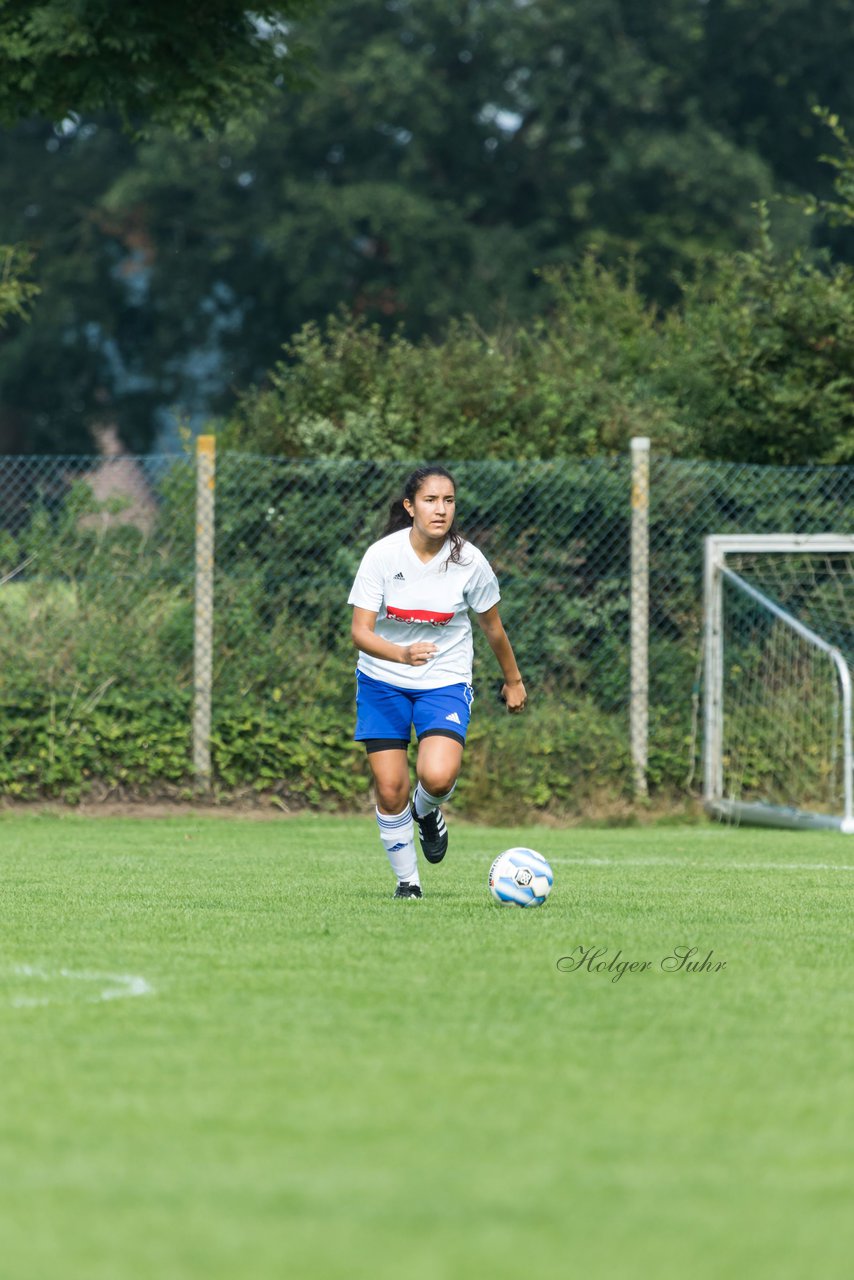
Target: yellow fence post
(204,608)
(639,713)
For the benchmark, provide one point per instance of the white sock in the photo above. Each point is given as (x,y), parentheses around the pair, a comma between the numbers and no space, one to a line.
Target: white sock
(425,803)
(398,836)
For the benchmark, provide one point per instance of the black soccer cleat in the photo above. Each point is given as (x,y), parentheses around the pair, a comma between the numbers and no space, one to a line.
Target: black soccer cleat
(433,834)
(407,890)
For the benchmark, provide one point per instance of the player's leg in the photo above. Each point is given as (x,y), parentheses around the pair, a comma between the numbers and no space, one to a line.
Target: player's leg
(390,769)
(439,759)
(441,720)
(384,725)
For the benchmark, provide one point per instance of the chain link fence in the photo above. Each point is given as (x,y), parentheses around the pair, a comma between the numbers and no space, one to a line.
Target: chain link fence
(136,592)
(690,500)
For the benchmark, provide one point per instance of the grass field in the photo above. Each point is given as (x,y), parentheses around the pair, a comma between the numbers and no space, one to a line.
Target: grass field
(226,1052)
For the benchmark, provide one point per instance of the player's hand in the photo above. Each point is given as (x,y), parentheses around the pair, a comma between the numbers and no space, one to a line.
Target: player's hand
(415,655)
(515,697)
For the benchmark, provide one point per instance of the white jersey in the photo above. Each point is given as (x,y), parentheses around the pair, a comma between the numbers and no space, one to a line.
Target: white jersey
(416,601)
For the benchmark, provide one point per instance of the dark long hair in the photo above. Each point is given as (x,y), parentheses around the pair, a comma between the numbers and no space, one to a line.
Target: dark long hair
(399,517)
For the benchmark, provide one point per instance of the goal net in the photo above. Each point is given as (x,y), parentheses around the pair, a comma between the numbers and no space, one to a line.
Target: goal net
(779,636)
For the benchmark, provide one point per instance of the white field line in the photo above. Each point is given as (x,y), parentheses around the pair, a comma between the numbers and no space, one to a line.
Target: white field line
(686,864)
(113,986)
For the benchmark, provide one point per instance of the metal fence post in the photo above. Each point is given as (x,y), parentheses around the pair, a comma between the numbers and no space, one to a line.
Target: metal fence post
(639,594)
(204,607)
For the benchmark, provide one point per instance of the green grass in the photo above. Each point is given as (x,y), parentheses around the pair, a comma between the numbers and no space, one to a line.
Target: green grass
(326,1083)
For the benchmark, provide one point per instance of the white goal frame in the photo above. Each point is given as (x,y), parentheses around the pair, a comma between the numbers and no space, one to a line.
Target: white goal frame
(717,548)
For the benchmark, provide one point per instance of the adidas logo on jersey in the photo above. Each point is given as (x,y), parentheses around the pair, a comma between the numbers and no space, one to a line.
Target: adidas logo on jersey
(398,577)
(453,716)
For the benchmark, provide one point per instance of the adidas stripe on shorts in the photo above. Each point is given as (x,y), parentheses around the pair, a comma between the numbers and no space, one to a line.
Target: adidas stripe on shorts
(384,711)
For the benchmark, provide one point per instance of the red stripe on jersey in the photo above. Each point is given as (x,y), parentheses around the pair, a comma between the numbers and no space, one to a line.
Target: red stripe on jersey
(418,615)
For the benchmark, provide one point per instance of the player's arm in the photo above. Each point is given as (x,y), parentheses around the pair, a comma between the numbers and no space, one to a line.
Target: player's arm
(366,639)
(513,691)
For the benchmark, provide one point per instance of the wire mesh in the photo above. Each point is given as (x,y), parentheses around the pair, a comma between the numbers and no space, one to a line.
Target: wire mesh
(96,627)
(783,720)
(688,501)
(290,536)
(97,612)
(816,587)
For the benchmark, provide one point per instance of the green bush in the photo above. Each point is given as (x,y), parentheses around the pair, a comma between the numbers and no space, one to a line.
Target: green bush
(753,362)
(576,384)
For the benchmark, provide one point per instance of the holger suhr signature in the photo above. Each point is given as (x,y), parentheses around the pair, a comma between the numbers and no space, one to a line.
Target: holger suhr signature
(681,959)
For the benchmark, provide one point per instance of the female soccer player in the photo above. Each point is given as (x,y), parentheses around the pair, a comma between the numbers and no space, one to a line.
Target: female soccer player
(411,624)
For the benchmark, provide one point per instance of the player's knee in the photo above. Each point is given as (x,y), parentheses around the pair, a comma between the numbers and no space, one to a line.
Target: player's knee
(438,781)
(392,797)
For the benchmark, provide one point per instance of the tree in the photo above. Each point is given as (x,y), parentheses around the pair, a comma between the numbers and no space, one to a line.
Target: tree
(58,371)
(169,62)
(445,154)
(523,132)
(766,64)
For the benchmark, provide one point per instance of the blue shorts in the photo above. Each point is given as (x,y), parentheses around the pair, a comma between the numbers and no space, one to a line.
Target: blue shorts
(386,714)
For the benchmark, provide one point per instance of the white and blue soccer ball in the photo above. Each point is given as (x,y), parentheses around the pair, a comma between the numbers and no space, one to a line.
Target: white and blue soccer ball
(520,878)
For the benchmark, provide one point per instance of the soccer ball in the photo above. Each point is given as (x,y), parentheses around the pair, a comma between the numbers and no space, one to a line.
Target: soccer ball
(520,878)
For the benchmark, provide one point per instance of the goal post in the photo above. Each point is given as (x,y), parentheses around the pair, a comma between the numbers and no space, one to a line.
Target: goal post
(779,645)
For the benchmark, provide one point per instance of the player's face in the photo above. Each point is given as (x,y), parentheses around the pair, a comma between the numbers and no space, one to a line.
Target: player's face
(433,509)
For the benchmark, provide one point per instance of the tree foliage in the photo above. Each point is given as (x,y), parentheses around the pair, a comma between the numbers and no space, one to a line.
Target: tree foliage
(190,70)
(762,358)
(16,289)
(166,62)
(446,160)
(755,363)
